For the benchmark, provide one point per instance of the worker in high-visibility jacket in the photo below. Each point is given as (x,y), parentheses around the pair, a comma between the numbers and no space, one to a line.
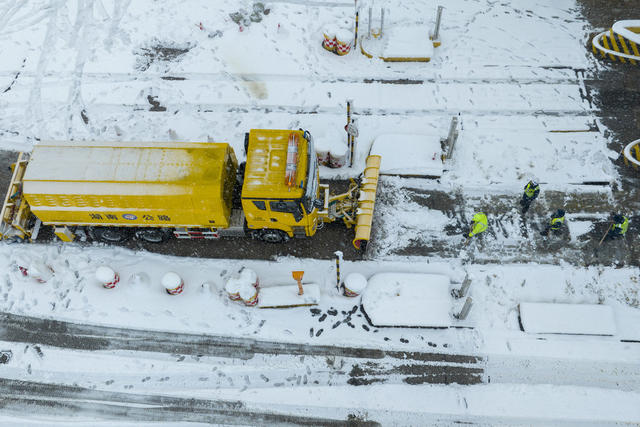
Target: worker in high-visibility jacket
(531,191)
(555,223)
(619,227)
(479,224)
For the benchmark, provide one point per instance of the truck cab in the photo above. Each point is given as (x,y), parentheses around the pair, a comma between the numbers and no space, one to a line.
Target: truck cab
(280,187)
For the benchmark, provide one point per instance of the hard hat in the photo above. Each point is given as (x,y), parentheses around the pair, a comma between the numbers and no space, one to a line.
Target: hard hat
(618,218)
(533,183)
(560,212)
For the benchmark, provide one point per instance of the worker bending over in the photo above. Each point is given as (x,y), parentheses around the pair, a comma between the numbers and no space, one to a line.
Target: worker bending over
(555,223)
(531,191)
(619,226)
(479,224)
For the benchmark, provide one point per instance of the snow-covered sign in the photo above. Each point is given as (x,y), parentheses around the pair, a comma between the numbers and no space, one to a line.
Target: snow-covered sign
(579,319)
(287,296)
(409,154)
(408,299)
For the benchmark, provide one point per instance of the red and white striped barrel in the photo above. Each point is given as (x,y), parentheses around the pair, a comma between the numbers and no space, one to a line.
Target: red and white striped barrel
(343,42)
(249,294)
(107,277)
(232,287)
(329,42)
(354,284)
(173,284)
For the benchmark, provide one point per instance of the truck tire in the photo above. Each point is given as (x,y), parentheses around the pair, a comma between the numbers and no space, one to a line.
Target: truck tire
(271,235)
(153,235)
(110,234)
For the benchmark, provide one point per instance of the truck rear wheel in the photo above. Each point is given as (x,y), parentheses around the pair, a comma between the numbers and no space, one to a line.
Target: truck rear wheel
(270,235)
(153,235)
(110,234)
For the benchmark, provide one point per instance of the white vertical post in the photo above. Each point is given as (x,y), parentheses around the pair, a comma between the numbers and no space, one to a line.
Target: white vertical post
(381,21)
(369,26)
(436,32)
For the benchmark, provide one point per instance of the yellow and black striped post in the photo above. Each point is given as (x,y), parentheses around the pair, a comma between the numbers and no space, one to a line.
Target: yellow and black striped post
(349,137)
(355,39)
(338,258)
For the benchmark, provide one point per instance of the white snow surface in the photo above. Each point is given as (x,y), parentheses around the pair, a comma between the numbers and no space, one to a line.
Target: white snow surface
(512,73)
(406,154)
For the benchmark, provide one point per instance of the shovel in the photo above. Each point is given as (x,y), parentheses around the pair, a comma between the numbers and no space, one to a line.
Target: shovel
(297,276)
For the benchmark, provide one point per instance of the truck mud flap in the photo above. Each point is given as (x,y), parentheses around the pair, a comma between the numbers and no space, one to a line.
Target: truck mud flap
(366,202)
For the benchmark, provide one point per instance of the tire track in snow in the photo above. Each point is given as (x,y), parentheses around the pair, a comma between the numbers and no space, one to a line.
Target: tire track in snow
(50,400)
(34,114)
(317,77)
(302,363)
(81,35)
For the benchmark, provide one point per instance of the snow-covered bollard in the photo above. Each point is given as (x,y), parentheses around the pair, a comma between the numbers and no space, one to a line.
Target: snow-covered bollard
(40,271)
(107,277)
(249,294)
(354,284)
(173,284)
(344,38)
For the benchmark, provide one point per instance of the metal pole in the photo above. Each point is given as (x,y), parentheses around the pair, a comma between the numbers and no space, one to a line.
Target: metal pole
(436,33)
(459,293)
(465,309)
(369,30)
(452,136)
(349,145)
(338,255)
(381,20)
(353,144)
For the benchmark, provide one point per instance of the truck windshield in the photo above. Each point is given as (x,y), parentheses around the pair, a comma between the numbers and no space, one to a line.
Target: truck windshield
(312,179)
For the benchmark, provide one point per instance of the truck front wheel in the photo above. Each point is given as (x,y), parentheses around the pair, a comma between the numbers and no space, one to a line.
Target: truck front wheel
(153,235)
(110,234)
(273,236)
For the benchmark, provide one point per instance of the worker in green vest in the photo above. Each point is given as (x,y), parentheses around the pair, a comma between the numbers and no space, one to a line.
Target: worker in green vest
(531,191)
(619,227)
(555,223)
(479,224)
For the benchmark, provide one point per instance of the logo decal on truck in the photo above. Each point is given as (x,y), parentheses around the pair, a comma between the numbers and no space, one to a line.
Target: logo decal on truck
(130,217)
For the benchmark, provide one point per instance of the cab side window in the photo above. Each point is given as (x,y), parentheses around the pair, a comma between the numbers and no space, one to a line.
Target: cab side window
(260,205)
(291,207)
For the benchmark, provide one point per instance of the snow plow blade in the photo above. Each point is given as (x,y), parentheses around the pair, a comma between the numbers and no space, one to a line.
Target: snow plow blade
(366,202)
(16,214)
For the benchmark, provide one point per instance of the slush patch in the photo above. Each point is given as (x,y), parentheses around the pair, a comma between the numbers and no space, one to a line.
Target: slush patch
(160,53)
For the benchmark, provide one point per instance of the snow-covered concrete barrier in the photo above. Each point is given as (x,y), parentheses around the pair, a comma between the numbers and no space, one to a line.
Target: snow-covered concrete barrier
(408,299)
(409,155)
(575,319)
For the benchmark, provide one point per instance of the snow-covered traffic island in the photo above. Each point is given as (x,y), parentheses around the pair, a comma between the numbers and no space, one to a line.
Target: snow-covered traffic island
(425,327)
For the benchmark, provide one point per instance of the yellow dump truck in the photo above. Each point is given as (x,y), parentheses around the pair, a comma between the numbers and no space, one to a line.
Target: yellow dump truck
(113,191)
